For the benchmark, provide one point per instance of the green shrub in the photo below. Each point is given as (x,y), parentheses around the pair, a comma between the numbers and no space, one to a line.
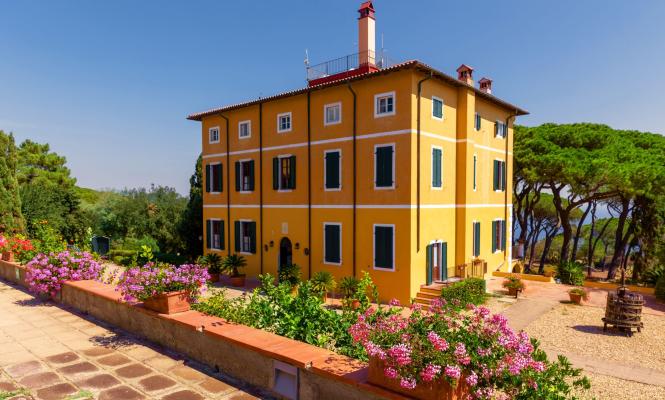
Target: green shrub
(289,273)
(660,288)
(571,273)
(468,291)
(652,276)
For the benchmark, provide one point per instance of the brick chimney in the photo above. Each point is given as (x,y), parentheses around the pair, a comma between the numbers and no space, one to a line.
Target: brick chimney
(485,85)
(465,74)
(366,35)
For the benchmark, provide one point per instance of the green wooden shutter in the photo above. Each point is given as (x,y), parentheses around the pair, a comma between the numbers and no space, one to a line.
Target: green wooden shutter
(221,177)
(238,183)
(292,172)
(332,243)
(444,261)
(496,175)
(503,175)
(384,166)
(503,235)
(207,178)
(208,234)
(383,248)
(222,242)
(275,173)
(428,263)
(475,162)
(496,129)
(251,175)
(494,231)
(252,236)
(477,240)
(332,170)
(236,226)
(436,167)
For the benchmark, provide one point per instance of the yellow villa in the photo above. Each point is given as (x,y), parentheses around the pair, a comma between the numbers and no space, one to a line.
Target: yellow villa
(399,170)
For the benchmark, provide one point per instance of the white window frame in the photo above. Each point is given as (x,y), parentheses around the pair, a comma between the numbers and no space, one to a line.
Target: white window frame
(279,181)
(213,177)
(374,226)
(325,114)
(498,243)
(210,130)
(248,122)
(340,243)
(475,172)
(325,170)
(376,104)
(499,190)
(442,104)
(242,231)
(392,187)
(212,240)
(279,125)
(432,168)
(505,129)
(241,175)
(477,122)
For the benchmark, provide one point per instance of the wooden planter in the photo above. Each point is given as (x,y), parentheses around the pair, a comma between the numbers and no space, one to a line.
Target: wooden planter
(238,280)
(575,298)
(214,277)
(168,303)
(436,390)
(8,256)
(514,292)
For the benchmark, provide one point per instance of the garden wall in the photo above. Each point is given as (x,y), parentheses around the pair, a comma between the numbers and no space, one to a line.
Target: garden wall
(284,366)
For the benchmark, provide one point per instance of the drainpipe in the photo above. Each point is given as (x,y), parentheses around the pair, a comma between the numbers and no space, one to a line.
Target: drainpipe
(261,185)
(309,189)
(354,178)
(505,194)
(228,186)
(420,87)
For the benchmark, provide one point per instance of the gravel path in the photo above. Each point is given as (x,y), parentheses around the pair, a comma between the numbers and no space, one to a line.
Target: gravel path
(607,387)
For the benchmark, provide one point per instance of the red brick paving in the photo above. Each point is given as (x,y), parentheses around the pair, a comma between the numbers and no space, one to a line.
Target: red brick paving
(38,380)
(133,371)
(24,368)
(114,360)
(156,383)
(56,392)
(102,381)
(120,392)
(63,358)
(183,395)
(80,368)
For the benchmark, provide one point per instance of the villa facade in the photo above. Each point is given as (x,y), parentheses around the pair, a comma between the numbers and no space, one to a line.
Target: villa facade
(400,171)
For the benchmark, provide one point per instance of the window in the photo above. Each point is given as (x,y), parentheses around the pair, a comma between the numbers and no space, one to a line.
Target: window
(437,108)
(215,234)
(332,239)
(477,122)
(384,166)
(384,104)
(332,114)
(213,135)
(244,129)
(437,155)
(332,169)
(284,173)
(244,175)
(284,122)
(499,175)
(500,129)
(214,179)
(475,171)
(498,235)
(476,239)
(245,237)
(384,246)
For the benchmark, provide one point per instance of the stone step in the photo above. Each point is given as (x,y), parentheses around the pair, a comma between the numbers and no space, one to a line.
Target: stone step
(428,295)
(430,290)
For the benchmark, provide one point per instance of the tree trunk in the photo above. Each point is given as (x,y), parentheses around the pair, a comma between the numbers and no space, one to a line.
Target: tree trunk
(549,238)
(578,232)
(532,250)
(589,258)
(619,239)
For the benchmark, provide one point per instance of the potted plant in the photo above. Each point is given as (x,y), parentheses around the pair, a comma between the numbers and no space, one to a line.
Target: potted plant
(163,288)
(349,288)
(290,273)
(514,285)
(214,263)
(577,295)
(232,265)
(323,282)
(45,274)
(5,249)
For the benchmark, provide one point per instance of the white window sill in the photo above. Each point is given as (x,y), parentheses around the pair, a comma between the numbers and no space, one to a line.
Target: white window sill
(388,114)
(333,263)
(384,269)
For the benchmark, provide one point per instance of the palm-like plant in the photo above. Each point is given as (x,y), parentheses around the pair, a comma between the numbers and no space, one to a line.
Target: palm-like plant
(233,263)
(213,262)
(349,286)
(323,282)
(289,273)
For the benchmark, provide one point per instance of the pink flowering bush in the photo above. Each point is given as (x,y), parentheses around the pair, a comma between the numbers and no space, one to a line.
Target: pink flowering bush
(46,273)
(473,345)
(140,283)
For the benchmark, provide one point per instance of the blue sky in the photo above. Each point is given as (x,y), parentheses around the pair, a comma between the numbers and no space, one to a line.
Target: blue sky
(109,84)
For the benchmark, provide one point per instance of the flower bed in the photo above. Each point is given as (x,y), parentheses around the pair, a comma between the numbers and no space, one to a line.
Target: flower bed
(46,273)
(475,349)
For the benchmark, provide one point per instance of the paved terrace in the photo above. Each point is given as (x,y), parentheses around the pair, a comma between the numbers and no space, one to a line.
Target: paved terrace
(53,353)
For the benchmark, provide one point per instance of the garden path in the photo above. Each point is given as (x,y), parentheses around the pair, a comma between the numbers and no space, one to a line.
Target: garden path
(54,353)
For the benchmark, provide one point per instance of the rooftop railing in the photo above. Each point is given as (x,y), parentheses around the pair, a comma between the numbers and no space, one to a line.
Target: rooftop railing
(348,63)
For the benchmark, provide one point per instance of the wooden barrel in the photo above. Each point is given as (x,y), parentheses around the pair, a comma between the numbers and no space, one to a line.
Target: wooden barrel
(624,312)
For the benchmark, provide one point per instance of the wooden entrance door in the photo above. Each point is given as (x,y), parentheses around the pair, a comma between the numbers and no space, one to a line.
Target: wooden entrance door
(437,265)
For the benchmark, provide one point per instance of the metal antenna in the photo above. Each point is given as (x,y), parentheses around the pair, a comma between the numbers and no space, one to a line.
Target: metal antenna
(306,65)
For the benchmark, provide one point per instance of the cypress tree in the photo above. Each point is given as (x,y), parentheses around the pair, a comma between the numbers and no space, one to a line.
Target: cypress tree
(11,219)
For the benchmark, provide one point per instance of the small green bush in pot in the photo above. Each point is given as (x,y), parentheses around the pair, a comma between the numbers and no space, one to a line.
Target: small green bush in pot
(289,273)
(323,282)
(349,287)
(232,264)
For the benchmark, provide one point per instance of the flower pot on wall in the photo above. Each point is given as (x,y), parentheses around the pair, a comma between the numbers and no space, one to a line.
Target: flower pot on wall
(238,280)
(8,256)
(438,389)
(168,303)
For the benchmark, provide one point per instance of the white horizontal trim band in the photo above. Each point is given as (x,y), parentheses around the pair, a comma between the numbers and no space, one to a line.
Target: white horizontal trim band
(364,206)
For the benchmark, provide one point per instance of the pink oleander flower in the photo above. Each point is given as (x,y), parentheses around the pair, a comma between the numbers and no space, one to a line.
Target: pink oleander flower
(46,273)
(394,303)
(430,372)
(407,383)
(140,283)
(453,371)
(438,342)
(472,379)
(401,354)
(390,372)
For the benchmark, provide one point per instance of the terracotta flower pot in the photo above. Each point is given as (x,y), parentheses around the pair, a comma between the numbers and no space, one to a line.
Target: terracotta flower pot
(575,298)
(168,303)
(439,389)
(513,292)
(355,304)
(8,256)
(238,280)
(214,277)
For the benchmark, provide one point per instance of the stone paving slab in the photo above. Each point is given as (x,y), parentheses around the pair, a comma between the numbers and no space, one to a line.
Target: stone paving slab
(53,352)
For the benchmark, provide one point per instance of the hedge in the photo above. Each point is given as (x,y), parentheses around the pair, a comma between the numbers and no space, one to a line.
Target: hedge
(459,294)
(660,288)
